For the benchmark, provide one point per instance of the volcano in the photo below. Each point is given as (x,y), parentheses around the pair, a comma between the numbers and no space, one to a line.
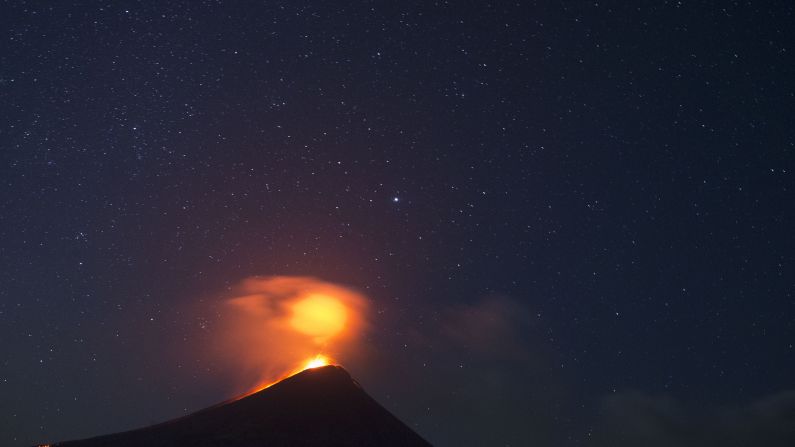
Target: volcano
(317,407)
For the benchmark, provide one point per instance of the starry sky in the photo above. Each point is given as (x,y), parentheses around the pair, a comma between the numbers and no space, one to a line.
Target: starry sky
(573,221)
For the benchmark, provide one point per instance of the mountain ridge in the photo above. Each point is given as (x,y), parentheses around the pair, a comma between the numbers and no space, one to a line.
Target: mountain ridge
(321,406)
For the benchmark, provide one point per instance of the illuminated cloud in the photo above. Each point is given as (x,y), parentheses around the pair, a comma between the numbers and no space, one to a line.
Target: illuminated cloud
(273,326)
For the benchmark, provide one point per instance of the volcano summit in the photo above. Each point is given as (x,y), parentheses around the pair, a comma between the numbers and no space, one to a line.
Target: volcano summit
(317,407)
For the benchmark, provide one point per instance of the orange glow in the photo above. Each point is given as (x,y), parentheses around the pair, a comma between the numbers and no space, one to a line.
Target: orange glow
(271,328)
(318,316)
(314,362)
(317,362)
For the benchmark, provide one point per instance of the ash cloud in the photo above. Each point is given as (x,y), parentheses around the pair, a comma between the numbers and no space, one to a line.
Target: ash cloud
(491,369)
(482,367)
(256,337)
(636,418)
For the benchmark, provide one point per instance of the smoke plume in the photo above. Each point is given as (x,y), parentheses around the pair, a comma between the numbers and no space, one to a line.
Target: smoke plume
(272,326)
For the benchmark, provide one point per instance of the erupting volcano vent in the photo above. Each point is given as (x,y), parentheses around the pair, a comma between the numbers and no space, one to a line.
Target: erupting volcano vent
(274,327)
(317,362)
(286,332)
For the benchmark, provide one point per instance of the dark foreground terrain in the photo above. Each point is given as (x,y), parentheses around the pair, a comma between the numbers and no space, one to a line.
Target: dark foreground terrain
(317,407)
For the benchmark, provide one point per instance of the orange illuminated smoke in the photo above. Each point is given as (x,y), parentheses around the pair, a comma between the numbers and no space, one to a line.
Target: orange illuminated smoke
(319,316)
(276,326)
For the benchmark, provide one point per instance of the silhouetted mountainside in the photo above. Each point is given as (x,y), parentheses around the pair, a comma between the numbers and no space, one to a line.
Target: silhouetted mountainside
(317,407)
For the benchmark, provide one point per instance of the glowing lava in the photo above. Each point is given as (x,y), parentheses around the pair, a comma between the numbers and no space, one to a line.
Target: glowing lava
(274,327)
(317,362)
(319,316)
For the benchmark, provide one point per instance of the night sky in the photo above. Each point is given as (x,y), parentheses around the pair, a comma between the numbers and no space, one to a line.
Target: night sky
(574,223)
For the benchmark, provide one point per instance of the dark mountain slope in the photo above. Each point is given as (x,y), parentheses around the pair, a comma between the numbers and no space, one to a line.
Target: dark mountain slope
(317,407)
